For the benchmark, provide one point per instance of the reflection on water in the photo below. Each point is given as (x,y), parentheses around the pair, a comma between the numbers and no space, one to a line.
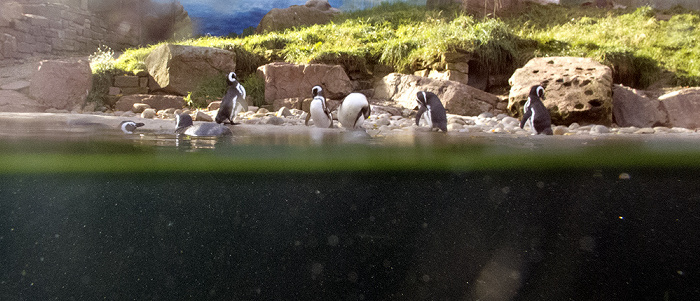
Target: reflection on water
(281,213)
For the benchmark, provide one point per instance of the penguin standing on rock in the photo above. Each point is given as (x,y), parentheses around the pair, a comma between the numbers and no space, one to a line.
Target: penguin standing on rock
(185,126)
(431,108)
(352,110)
(318,111)
(233,101)
(128,126)
(536,114)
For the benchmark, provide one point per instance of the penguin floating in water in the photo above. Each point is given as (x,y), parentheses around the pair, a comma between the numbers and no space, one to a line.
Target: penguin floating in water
(352,110)
(318,111)
(128,126)
(536,114)
(432,110)
(207,129)
(233,101)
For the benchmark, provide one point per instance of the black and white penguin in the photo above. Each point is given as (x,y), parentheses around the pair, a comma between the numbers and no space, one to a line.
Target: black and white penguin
(128,126)
(233,101)
(185,126)
(536,114)
(353,111)
(318,110)
(432,110)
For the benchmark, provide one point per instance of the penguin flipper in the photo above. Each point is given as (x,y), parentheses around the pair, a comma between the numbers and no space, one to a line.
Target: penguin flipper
(308,116)
(421,110)
(526,116)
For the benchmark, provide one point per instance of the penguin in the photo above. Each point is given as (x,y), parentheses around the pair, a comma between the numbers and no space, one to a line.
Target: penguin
(536,114)
(352,110)
(184,125)
(432,109)
(318,110)
(128,126)
(233,101)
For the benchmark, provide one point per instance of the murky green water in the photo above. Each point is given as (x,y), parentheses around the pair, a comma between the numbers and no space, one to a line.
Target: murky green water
(90,214)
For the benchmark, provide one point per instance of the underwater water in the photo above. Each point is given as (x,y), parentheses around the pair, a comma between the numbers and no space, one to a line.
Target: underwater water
(89,213)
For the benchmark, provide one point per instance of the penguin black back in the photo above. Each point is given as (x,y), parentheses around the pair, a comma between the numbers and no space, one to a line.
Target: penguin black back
(430,104)
(235,96)
(535,113)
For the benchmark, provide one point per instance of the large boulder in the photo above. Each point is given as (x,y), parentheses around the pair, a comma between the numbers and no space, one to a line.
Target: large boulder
(158,102)
(683,107)
(285,80)
(576,89)
(633,108)
(61,84)
(178,69)
(457,98)
(314,12)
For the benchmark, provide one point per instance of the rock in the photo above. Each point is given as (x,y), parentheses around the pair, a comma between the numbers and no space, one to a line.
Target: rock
(202,116)
(148,113)
(314,12)
(384,119)
(158,102)
(61,84)
(576,89)
(284,80)
(457,98)
(633,108)
(283,112)
(560,130)
(377,110)
(140,107)
(178,69)
(476,7)
(645,131)
(16,86)
(273,120)
(318,4)
(13,101)
(599,129)
(214,105)
(262,111)
(682,107)
(294,103)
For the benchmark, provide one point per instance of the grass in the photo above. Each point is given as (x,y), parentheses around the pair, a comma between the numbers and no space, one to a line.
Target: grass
(634,43)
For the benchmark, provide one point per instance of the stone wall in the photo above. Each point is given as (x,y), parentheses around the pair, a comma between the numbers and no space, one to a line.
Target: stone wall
(30,28)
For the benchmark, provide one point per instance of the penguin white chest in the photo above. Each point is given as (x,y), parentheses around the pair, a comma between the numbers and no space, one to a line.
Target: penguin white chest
(428,116)
(353,111)
(318,114)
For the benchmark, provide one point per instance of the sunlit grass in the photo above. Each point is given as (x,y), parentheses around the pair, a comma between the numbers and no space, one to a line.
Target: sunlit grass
(635,43)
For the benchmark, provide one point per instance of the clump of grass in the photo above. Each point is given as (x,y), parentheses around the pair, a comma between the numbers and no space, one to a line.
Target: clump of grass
(209,89)
(133,59)
(102,65)
(255,89)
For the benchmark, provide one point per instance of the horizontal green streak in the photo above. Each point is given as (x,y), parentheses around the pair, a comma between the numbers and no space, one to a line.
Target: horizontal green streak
(319,159)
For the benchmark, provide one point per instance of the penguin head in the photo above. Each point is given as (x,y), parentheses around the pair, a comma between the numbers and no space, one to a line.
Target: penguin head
(129,126)
(422,98)
(317,91)
(537,91)
(183,120)
(231,78)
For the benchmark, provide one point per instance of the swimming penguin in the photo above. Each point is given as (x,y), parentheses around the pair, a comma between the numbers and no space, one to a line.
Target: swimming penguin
(128,126)
(535,113)
(432,109)
(185,126)
(318,110)
(352,110)
(233,101)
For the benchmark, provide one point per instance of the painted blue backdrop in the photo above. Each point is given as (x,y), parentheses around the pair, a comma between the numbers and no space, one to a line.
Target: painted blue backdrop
(222,17)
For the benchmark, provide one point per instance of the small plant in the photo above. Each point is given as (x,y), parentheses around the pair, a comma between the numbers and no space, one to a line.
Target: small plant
(209,89)
(102,65)
(255,88)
